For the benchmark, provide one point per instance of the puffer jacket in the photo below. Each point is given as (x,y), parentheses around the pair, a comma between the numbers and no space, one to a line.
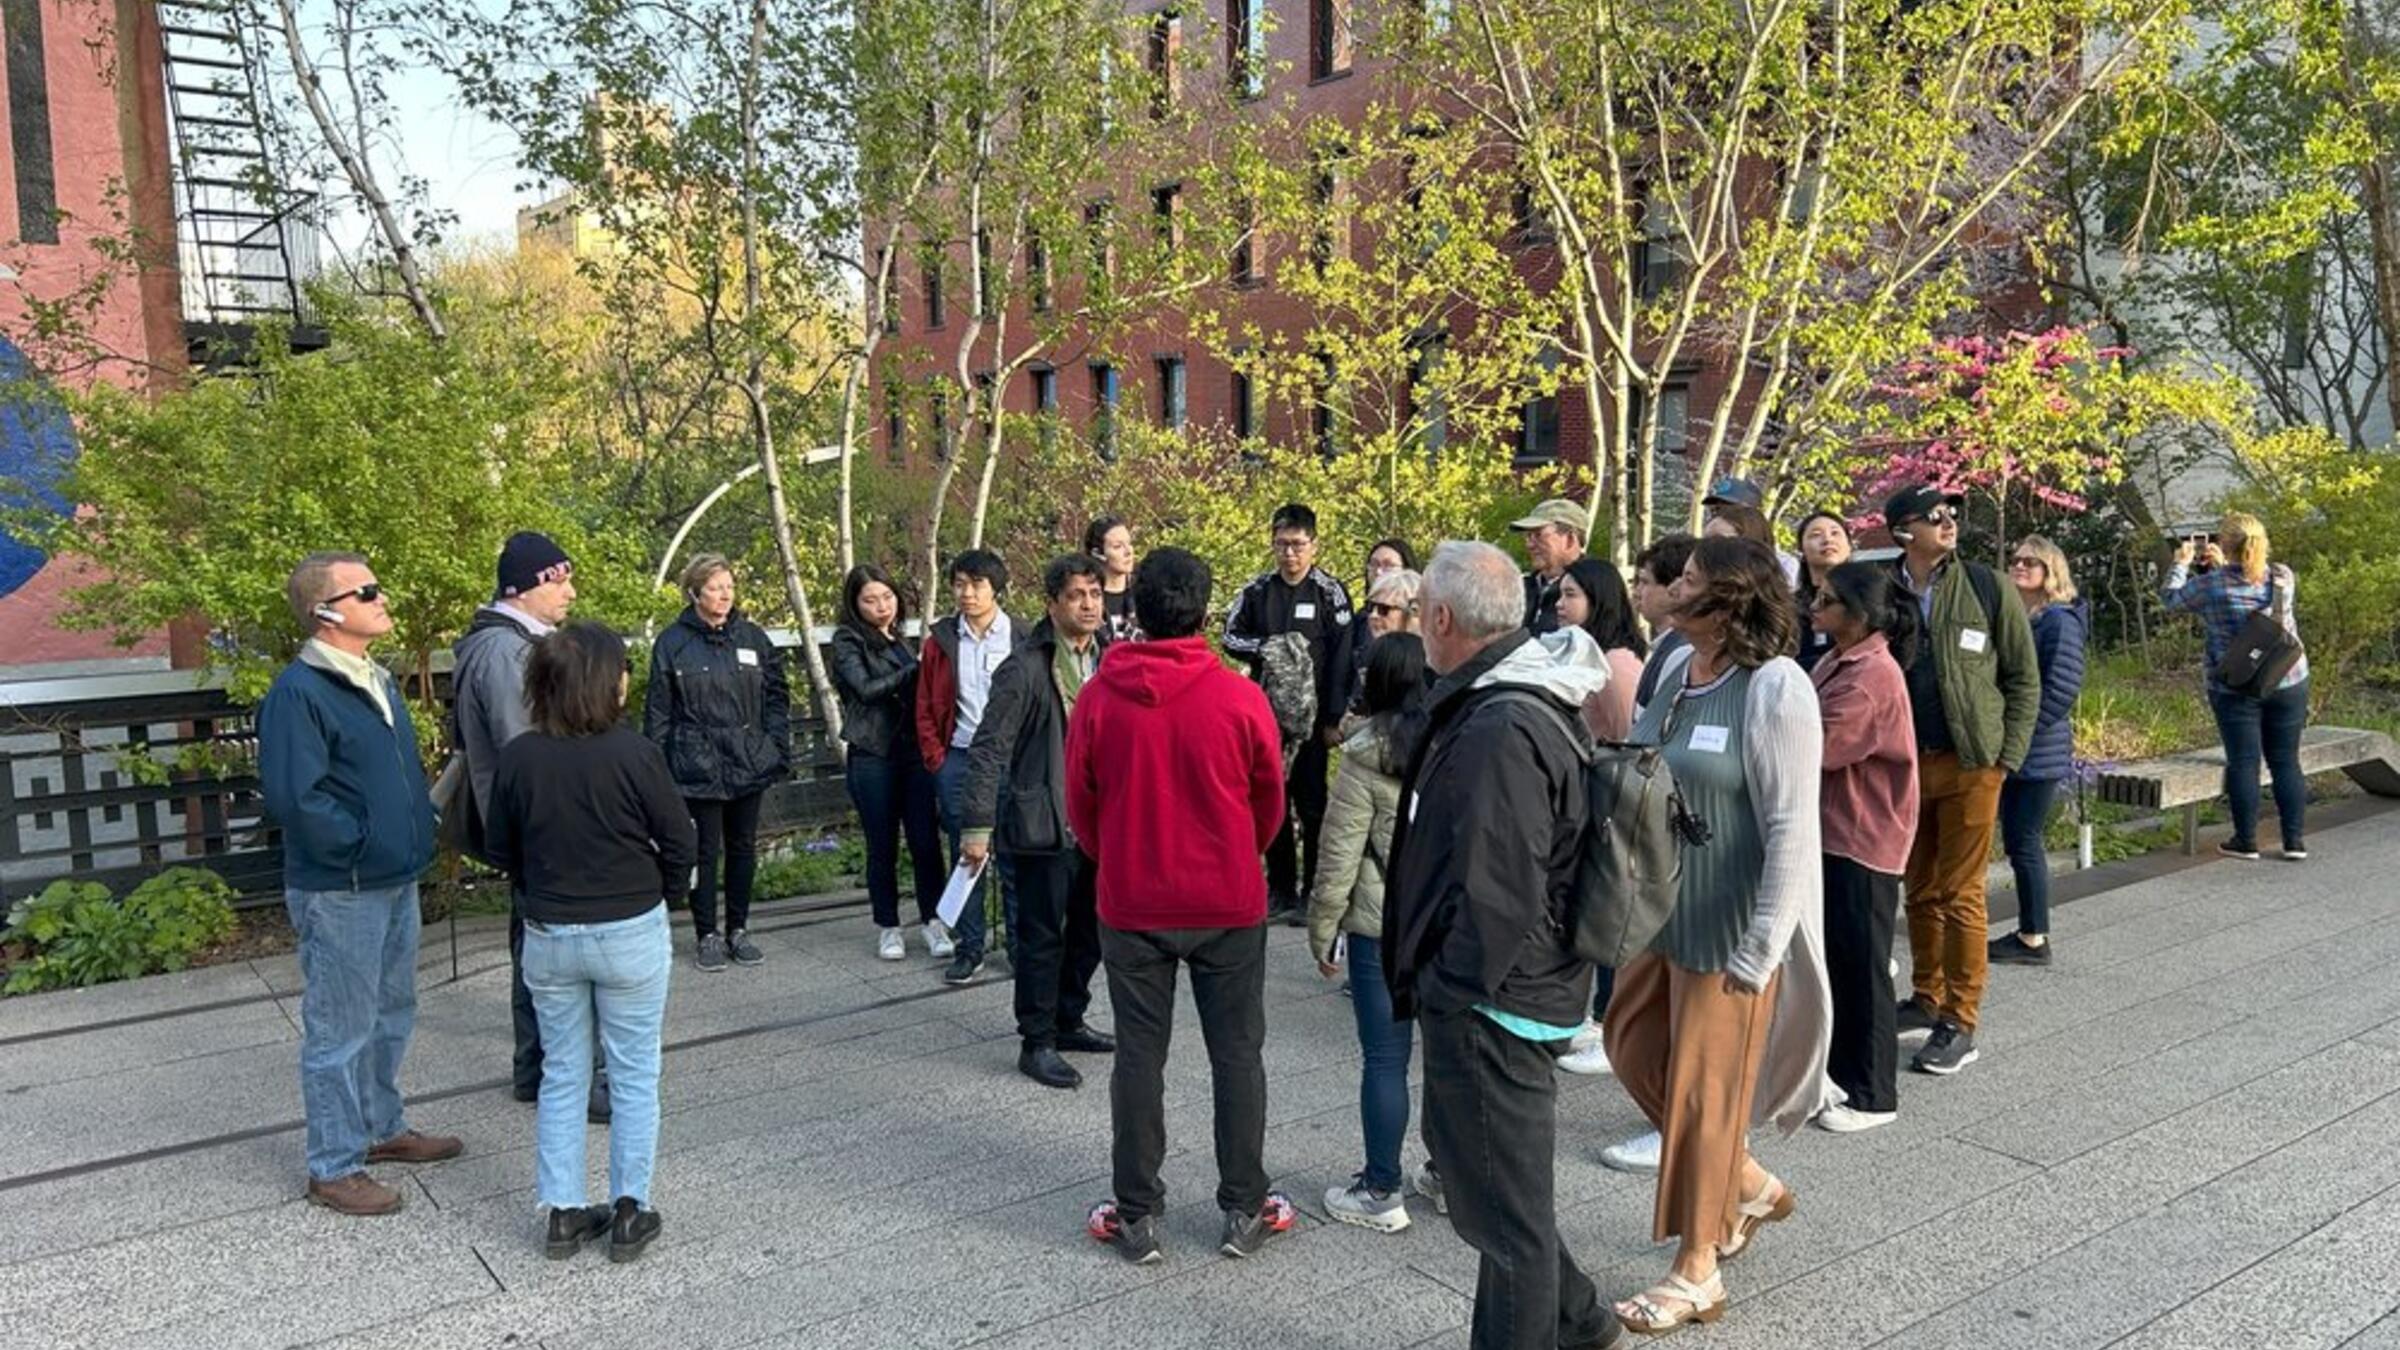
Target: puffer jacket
(1348,896)
(877,680)
(719,706)
(2059,633)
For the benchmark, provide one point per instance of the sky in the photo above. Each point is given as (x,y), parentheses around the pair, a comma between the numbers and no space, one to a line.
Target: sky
(467,160)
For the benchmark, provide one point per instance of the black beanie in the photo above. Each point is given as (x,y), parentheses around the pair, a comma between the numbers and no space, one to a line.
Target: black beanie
(528,560)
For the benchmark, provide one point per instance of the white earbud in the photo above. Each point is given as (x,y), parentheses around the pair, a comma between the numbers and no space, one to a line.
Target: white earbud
(330,615)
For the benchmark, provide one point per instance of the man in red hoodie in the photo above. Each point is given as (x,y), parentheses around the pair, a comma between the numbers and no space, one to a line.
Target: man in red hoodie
(1175,787)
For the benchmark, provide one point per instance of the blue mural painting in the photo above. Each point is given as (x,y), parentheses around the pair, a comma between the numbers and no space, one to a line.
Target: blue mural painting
(37,440)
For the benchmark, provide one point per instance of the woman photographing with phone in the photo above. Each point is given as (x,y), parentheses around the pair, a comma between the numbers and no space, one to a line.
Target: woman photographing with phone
(2260,712)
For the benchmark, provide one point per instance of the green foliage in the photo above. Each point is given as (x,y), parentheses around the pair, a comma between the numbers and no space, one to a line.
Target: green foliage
(74,935)
(811,868)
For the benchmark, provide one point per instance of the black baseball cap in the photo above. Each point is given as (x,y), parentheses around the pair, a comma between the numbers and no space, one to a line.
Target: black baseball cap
(1730,491)
(1915,501)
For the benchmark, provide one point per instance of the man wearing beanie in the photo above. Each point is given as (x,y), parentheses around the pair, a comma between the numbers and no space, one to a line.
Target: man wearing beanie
(536,589)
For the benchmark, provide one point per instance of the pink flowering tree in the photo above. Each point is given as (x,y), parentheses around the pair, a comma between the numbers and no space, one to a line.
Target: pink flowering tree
(2030,422)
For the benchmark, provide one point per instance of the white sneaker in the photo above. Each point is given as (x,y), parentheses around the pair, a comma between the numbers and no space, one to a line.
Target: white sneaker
(889,946)
(1586,1054)
(1846,1119)
(1428,1183)
(1638,1155)
(1355,1204)
(937,941)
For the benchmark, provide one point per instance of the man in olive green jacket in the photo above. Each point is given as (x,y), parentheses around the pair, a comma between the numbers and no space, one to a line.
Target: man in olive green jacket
(1974,690)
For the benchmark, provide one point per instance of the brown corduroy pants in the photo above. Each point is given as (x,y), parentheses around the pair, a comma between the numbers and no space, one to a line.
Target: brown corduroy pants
(1687,1052)
(1948,938)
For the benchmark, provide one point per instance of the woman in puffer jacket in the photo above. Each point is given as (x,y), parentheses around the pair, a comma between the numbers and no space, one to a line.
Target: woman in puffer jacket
(1345,918)
(2061,624)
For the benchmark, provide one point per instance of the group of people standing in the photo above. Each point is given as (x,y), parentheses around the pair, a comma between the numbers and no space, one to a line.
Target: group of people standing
(1842,734)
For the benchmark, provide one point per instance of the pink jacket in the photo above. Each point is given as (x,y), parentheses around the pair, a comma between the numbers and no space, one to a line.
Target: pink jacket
(1870,794)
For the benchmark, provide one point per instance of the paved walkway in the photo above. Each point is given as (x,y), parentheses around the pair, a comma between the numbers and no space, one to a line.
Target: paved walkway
(2180,1136)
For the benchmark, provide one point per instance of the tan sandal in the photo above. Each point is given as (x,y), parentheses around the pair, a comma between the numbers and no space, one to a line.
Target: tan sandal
(1752,1215)
(1646,1314)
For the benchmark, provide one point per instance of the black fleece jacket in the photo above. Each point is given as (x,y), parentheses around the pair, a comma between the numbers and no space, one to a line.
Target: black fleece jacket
(591,827)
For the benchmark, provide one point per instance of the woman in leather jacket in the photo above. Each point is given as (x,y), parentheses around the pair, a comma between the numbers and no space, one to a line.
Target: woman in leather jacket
(876,674)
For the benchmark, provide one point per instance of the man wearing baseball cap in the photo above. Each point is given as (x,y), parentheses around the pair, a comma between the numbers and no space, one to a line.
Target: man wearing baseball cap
(1973,692)
(1554,535)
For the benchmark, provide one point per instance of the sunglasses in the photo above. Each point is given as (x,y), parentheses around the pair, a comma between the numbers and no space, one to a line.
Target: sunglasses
(365,595)
(1388,611)
(2028,562)
(1942,515)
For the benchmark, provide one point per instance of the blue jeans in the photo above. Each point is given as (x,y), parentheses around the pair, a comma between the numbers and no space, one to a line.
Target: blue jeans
(615,974)
(1384,1043)
(2263,727)
(358,1004)
(950,784)
(894,796)
(2024,814)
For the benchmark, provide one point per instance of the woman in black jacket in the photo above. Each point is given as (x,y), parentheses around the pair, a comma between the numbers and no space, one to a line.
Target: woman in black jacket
(719,707)
(589,826)
(876,674)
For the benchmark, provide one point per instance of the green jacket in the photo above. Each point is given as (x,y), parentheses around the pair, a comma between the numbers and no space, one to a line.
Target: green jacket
(1991,681)
(1348,895)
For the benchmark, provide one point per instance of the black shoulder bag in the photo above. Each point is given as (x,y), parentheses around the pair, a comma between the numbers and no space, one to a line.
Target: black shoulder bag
(2263,650)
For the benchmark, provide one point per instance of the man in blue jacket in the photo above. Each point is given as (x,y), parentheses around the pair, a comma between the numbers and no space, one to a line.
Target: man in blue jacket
(338,765)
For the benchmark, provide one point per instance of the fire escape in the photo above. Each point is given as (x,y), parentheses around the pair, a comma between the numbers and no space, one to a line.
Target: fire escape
(246,245)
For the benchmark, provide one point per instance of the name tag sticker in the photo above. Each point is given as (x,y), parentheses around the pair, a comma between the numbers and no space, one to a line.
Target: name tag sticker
(745,656)
(1709,740)
(1307,611)
(1413,799)
(1972,640)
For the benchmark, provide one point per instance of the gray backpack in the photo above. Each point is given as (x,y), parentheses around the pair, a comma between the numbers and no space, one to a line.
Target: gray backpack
(1629,863)
(1287,671)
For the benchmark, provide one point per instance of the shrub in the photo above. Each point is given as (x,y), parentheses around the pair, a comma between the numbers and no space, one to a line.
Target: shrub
(72,934)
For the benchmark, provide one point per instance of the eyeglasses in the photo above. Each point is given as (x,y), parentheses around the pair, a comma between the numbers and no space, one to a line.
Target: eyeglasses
(2028,562)
(1291,545)
(365,595)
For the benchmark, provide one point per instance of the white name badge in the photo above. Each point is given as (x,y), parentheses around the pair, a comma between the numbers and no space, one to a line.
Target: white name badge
(1413,799)
(1972,640)
(745,656)
(1709,740)
(1308,611)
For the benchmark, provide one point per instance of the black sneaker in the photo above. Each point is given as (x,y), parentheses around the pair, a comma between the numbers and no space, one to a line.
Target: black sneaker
(1949,1049)
(2233,849)
(631,1229)
(965,968)
(2014,950)
(711,953)
(1135,1239)
(571,1228)
(1914,1018)
(743,950)
(1246,1233)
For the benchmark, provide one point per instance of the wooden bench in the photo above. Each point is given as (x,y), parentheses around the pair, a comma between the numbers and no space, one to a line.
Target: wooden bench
(2186,779)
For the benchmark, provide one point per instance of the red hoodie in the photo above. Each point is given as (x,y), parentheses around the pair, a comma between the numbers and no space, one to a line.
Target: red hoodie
(1174,787)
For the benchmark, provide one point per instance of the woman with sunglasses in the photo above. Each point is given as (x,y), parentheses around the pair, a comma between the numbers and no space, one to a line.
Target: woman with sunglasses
(2061,623)
(1825,544)
(1869,805)
(1386,559)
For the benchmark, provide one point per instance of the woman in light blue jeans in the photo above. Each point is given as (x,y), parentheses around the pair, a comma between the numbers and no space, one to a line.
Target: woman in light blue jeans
(587,820)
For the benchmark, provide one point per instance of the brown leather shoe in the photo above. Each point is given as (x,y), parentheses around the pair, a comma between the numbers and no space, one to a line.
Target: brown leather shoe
(415,1147)
(357,1194)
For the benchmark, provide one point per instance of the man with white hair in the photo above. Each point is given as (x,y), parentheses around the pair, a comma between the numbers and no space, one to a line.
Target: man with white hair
(1483,861)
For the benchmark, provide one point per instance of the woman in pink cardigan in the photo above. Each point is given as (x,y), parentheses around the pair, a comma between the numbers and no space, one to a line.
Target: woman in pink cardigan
(1869,801)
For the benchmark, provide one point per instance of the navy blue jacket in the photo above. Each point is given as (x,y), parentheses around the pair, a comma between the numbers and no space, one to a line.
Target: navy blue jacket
(2059,633)
(348,790)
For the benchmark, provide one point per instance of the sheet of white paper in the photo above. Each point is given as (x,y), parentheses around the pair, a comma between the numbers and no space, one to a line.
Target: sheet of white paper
(963,879)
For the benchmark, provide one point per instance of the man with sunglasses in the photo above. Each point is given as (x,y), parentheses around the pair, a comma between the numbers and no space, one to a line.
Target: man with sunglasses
(338,766)
(1974,691)
(534,590)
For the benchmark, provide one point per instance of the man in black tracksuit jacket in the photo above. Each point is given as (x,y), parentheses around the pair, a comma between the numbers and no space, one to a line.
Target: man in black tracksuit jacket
(1015,800)
(1475,947)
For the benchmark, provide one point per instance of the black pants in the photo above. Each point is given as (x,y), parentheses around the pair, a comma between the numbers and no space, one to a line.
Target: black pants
(526,1070)
(1292,864)
(1058,943)
(1491,1122)
(1229,987)
(1859,908)
(728,828)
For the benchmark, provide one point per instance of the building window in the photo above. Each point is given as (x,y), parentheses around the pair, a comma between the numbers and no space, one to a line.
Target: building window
(1537,422)
(1328,38)
(1171,414)
(1037,273)
(987,285)
(1166,215)
(1324,416)
(1658,253)
(1428,406)
(1331,239)
(1669,461)
(1244,269)
(937,405)
(1104,409)
(1245,406)
(1530,215)
(1045,402)
(1246,47)
(887,282)
(1096,229)
(936,309)
(1166,60)
(895,425)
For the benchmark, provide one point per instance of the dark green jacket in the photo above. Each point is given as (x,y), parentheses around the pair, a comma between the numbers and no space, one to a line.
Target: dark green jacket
(1991,682)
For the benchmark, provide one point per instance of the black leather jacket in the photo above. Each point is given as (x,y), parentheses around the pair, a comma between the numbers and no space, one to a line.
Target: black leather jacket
(877,681)
(720,708)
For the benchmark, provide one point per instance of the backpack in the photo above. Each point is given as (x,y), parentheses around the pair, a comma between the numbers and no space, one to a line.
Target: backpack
(1629,857)
(1288,673)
